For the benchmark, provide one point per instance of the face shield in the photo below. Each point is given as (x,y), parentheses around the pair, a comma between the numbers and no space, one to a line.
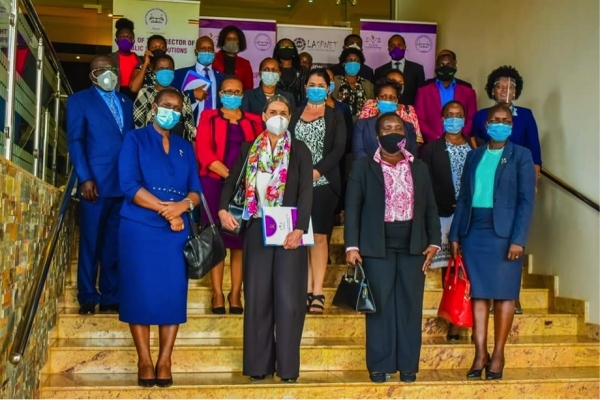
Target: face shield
(505,90)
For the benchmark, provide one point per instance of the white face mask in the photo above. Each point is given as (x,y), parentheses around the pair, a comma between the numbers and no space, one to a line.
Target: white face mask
(277,125)
(107,81)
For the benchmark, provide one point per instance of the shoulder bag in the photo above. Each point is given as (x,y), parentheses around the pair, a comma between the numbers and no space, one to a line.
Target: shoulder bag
(354,292)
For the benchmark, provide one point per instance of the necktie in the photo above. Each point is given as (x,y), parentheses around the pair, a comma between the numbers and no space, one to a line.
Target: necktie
(113,110)
(397,65)
(208,103)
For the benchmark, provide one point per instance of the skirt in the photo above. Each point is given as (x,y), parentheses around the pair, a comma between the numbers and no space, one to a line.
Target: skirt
(152,274)
(492,274)
(212,192)
(325,202)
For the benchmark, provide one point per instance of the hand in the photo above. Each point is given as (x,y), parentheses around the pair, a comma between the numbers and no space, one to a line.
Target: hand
(177,224)
(89,191)
(455,249)
(200,94)
(147,58)
(515,252)
(316,175)
(293,240)
(171,210)
(227,220)
(352,256)
(429,253)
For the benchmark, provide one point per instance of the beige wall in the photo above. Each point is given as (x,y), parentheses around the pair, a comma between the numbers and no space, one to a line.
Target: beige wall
(554,44)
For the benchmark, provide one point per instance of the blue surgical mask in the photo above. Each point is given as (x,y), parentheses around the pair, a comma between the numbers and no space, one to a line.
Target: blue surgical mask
(385,106)
(316,94)
(331,87)
(454,125)
(269,78)
(231,101)
(499,132)
(165,77)
(352,68)
(167,118)
(206,58)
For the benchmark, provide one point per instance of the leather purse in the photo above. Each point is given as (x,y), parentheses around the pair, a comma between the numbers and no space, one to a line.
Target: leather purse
(354,292)
(204,248)
(455,306)
(235,206)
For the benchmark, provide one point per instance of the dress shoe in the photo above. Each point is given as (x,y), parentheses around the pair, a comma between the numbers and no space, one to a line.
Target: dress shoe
(408,377)
(146,383)
(258,377)
(378,377)
(109,308)
(476,373)
(164,382)
(219,310)
(87,309)
(518,311)
(289,380)
(234,309)
(452,338)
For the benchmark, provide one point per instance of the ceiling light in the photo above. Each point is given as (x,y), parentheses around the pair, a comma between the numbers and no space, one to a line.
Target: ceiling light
(79,58)
(110,15)
(289,6)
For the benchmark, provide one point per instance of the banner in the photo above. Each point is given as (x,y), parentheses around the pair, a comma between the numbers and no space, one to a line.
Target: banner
(420,40)
(176,21)
(260,37)
(323,43)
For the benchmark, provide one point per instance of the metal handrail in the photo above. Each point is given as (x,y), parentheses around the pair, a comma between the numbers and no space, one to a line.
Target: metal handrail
(41,273)
(570,189)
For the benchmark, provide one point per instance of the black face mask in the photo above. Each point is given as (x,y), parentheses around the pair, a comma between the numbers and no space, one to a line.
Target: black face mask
(158,53)
(390,142)
(445,73)
(285,54)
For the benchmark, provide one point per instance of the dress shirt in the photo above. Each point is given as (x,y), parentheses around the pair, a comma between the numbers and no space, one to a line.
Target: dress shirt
(399,65)
(213,89)
(116,99)
(446,93)
(399,189)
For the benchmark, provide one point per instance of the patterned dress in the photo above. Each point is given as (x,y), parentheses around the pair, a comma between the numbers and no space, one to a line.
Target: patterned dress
(313,135)
(354,97)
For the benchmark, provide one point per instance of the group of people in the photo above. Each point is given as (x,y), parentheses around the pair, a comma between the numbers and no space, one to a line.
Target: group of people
(417,172)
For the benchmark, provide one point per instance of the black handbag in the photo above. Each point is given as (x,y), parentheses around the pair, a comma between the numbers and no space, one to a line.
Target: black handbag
(354,292)
(235,206)
(204,249)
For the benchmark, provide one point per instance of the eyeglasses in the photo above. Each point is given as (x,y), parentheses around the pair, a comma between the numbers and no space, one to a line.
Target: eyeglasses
(104,69)
(238,93)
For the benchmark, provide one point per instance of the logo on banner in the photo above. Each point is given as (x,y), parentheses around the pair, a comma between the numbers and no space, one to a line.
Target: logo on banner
(424,44)
(300,43)
(156,20)
(262,42)
(373,42)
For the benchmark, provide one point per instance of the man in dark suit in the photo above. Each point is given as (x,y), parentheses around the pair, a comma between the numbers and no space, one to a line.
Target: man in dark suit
(97,119)
(414,74)
(255,99)
(355,41)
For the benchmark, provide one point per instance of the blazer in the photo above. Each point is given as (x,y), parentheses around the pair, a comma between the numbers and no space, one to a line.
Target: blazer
(514,194)
(414,76)
(365,209)
(334,145)
(211,137)
(298,187)
(436,157)
(255,99)
(365,71)
(178,83)
(365,141)
(428,106)
(243,69)
(94,139)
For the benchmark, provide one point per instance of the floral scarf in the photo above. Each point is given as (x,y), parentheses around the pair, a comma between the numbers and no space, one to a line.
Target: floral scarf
(355,98)
(260,159)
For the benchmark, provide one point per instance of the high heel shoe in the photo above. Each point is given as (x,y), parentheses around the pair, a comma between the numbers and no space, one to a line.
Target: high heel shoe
(234,309)
(476,373)
(164,383)
(219,310)
(146,383)
(493,376)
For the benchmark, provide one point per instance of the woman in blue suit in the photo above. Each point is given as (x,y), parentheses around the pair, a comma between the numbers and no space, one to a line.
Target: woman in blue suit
(490,227)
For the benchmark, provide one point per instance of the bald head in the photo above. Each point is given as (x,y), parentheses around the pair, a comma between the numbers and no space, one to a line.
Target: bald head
(205,44)
(101,62)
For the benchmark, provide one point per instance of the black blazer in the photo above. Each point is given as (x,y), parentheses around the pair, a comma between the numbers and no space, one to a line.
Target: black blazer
(365,210)
(255,99)
(334,145)
(436,157)
(365,71)
(298,188)
(414,76)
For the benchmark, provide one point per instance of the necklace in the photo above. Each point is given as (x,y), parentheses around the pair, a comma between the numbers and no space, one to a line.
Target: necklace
(312,105)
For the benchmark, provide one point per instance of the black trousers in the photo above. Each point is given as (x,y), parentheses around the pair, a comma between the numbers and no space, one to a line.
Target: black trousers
(394,332)
(275,282)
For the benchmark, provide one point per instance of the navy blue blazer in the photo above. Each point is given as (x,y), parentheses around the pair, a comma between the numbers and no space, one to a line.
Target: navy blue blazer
(254,100)
(178,82)
(365,141)
(514,194)
(94,139)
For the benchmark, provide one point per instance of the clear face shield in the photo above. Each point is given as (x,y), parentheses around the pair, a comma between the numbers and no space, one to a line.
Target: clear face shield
(505,90)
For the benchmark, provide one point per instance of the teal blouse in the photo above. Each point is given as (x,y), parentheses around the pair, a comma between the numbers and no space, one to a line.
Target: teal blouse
(483,195)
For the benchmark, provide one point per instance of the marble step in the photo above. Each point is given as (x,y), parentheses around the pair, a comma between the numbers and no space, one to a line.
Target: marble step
(334,323)
(82,356)
(441,384)
(201,297)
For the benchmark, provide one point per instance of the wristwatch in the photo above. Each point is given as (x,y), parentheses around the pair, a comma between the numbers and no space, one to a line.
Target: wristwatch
(191,203)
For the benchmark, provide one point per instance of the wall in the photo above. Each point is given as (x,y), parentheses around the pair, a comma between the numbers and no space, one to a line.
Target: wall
(554,44)
(27,209)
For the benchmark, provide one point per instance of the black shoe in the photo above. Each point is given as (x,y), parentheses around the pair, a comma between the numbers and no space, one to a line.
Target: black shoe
(146,383)
(87,308)
(258,377)
(378,377)
(452,338)
(289,380)
(476,373)
(233,309)
(109,309)
(493,376)
(518,311)
(408,377)
(219,310)
(164,383)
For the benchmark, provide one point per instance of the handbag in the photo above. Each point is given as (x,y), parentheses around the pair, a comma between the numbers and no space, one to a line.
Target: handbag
(204,249)
(235,207)
(455,306)
(354,292)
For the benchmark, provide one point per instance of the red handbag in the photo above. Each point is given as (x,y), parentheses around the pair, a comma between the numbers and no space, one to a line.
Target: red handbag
(455,306)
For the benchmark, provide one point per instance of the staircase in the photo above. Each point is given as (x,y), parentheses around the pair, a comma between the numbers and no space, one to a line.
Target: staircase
(94,356)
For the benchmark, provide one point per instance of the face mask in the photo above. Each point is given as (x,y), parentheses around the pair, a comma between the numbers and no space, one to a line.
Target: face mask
(165,77)
(499,132)
(231,47)
(392,142)
(125,45)
(453,125)
(316,94)
(331,87)
(167,118)
(205,58)
(445,73)
(277,125)
(352,68)
(286,54)
(231,102)
(158,53)
(386,106)
(269,78)
(107,81)
(397,53)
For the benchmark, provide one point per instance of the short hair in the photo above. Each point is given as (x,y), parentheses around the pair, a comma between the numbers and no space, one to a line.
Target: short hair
(385,82)
(396,35)
(306,53)
(226,31)
(262,63)
(277,98)
(452,103)
(448,52)
(229,78)
(167,91)
(322,72)
(394,71)
(351,51)
(383,117)
(350,36)
(156,37)
(505,71)
(295,58)
(498,107)
(123,23)
(155,60)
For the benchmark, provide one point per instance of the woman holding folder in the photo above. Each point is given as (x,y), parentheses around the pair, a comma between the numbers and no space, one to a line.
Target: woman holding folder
(279,173)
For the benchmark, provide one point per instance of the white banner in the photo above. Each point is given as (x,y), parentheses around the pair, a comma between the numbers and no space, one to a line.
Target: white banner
(323,43)
(176,21)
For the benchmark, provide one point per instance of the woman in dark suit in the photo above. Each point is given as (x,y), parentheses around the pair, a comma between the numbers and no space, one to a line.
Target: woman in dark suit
(490,227)
(323,130)
(255,99)
(392,224)
(293,75)
(274,277)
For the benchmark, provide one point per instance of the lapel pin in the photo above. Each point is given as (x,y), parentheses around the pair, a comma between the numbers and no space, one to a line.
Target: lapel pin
(503,161)
(181,153)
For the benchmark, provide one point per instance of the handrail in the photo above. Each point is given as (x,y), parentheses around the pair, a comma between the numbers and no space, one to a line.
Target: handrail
(35,293)
(570,189)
